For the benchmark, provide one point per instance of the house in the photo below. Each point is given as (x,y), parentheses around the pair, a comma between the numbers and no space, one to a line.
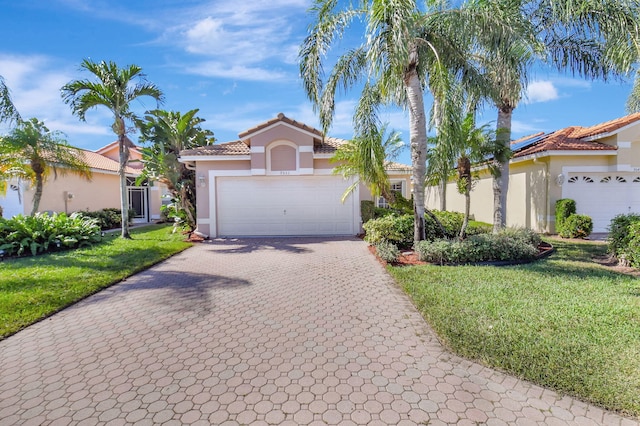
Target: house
(597,166)
(71,193)
(277,180)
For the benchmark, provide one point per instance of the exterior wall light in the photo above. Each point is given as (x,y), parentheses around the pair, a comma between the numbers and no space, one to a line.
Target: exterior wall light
(201,180)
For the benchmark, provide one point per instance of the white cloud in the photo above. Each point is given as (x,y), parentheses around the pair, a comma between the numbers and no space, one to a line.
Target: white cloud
(541,91)
(236,72)
(520,128)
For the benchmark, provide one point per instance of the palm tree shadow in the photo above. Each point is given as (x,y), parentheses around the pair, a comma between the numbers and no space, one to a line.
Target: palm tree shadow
(294,245)
(180,291)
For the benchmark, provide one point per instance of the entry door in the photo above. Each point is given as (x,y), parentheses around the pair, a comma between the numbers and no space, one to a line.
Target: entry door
(138,201)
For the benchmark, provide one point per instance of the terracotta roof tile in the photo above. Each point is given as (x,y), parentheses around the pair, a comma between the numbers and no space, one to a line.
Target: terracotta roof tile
(283,118)
(606,127)
(397,167)
(328,146)
(563,140)
(227,148)
(100,162)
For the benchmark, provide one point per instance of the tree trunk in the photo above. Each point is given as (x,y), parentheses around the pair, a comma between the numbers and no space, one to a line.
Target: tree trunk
(37,196)
(443,194)
(501,178)
(124,203)
(418,143)
(464,176)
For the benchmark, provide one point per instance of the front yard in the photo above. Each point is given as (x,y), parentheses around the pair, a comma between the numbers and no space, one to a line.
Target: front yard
(32,288)
(565,322)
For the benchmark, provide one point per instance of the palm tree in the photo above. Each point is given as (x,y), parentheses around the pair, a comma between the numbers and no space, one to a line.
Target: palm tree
(590,38)
(366,158)
(31,151)
(404,48)
(8,111)
(169,133)
(115,90)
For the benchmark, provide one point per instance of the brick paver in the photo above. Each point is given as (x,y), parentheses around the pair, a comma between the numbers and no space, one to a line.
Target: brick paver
(283,331)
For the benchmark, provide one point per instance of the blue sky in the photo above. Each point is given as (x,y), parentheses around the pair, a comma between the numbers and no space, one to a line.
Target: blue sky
(235,61)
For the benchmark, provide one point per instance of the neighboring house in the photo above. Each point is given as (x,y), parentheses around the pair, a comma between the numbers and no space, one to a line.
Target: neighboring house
(276,180)
(72,193)
(597,166)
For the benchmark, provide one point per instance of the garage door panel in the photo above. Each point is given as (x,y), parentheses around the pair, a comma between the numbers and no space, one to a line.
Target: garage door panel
(295,205)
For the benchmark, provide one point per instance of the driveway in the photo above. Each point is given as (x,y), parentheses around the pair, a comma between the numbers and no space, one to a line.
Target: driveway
(286,331)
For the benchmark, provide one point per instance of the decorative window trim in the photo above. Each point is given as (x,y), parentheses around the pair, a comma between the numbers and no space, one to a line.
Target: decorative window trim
(276,144)
(620,179)
(382,202)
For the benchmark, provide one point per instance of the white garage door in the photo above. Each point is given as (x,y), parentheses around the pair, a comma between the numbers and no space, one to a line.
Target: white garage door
(603,195)
(287,205)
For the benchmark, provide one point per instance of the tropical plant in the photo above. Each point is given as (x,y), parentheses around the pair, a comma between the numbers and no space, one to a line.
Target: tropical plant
(365,158)
(169,133)
(42,232)
(114,89)
(405,49)
(8,111)
(32,151)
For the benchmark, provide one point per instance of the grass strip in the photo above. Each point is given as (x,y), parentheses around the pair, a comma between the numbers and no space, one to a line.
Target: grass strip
(564,322)
(32,288)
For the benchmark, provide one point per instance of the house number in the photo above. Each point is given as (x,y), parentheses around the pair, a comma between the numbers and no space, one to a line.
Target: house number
(285,173)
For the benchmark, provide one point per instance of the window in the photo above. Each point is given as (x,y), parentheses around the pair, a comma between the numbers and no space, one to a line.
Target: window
(396,186)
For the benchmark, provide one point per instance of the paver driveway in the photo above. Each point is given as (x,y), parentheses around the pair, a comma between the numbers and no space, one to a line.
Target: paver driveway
(290,331)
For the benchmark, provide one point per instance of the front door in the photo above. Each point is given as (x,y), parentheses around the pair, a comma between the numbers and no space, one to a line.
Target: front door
(138,202)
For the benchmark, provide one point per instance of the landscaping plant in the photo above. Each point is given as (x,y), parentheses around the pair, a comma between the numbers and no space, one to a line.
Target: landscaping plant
(576,226)
(43,232)
(387,251)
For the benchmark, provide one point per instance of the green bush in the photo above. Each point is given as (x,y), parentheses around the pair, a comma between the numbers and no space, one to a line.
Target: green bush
(565,207)
(476,228)
(367,210)
(108,218)
(619,232)
(576,226)
(511,244)
(452,222)
(43,232)
(631,253)
(387,251)
(393,228)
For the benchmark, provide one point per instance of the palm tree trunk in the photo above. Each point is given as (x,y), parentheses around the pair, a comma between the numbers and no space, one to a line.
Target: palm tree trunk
(124,203)
(501,178)
(418,143)
(37,196)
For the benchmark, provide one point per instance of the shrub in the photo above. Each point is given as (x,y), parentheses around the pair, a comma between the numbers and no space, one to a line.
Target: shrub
(43,232)
(393,228)
(631,253)
(476,228)
(387,251)
(108,218)
(619,232)
(367,210)
(576,226)
(508,245)
(565,207)
(452,222)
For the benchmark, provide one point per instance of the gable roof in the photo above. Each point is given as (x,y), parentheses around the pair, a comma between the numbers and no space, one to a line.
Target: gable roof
(113,144)
(322,145)
(99,162)
(574,138)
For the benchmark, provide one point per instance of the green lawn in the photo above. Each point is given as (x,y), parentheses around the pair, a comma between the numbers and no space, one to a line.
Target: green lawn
(33,287)
(564,322)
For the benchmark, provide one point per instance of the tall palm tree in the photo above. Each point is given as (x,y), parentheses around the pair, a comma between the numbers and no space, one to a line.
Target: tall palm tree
(41,152)
(169,133)
(405,45)
(365,158)
(8,111)
(115,90)
(589,38)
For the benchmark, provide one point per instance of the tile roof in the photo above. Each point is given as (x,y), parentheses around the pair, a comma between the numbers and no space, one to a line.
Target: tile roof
(227,148)
(100,162)
(397,167)
(284,119)
(574,138)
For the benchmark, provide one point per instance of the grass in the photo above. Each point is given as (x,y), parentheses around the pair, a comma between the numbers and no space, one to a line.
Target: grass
(563,322)
(31,288)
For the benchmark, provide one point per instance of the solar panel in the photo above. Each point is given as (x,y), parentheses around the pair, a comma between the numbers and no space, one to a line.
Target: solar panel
(527,142)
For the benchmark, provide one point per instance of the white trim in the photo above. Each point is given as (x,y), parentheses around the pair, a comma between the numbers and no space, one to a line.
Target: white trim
(257,149)
(279,123)
(544,154)
(258,172)
(155,216)
(283,142)
(306,148)
(305,171)
(322,156)
(214,158)
(217,173)
(322,172)
(606,135)
(624,144)
(598,169)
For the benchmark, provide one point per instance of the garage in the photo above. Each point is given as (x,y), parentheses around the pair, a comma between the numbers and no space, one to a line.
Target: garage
(602,196)
(284,206)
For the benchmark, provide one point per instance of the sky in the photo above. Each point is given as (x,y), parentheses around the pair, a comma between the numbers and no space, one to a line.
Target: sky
(234,61)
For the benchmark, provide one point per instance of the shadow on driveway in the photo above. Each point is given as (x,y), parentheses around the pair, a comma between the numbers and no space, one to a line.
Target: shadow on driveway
(292,245)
